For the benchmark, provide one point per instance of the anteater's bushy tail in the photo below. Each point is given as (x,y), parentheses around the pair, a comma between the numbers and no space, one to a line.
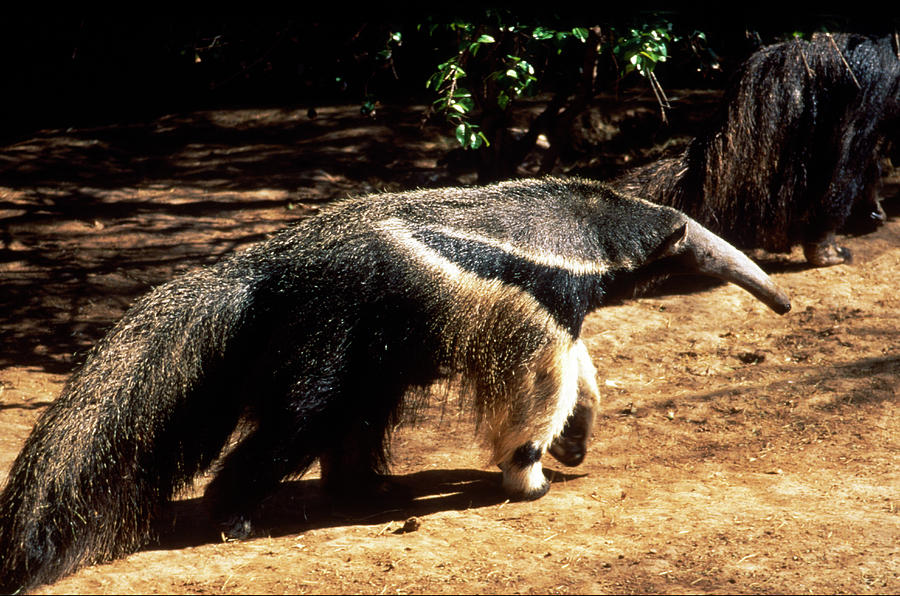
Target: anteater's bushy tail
(152,406)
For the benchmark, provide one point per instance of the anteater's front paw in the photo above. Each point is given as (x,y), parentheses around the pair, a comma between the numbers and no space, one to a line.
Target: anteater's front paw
(525,484)
(568,451)
(523,475)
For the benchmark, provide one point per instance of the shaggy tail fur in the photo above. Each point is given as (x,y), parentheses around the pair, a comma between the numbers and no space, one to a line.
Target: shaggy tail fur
(122,438)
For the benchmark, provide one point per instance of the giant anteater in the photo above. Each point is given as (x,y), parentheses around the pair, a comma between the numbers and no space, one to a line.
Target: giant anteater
(318,334)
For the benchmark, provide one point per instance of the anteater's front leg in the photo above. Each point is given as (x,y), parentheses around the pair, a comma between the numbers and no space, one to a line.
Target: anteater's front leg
(570,447)
(538,414)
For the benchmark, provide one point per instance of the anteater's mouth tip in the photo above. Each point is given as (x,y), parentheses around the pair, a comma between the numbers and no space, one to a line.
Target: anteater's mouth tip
(782,306)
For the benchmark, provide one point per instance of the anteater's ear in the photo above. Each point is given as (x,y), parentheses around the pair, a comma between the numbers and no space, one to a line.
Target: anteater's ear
(673,244)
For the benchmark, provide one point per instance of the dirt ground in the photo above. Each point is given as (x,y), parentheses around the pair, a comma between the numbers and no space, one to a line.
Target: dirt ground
(736,451)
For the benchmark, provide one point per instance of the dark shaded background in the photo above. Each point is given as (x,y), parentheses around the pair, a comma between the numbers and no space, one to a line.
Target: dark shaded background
(82,68)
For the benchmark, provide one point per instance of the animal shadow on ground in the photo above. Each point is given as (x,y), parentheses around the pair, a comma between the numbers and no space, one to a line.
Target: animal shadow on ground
(300,505)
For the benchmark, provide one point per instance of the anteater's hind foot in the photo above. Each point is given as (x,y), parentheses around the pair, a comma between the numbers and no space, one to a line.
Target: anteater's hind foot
(826,253)
(250,473)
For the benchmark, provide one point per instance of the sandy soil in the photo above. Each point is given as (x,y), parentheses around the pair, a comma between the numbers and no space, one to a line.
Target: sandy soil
(736,450)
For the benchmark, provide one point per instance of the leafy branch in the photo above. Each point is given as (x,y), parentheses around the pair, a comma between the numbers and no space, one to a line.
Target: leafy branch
(641,50)
(457,102)
(503,60)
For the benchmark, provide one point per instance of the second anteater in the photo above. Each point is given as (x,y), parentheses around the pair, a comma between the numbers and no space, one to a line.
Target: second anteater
(795,149)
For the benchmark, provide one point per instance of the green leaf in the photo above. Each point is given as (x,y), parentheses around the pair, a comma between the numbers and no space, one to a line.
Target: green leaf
(461,133)
(541,33)
(469,136)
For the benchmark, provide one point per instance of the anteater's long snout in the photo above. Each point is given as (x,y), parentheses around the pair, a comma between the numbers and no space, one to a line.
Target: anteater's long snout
(714,256)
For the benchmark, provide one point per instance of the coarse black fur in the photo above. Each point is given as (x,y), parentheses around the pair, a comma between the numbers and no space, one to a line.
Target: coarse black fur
(795,149)
(316,336)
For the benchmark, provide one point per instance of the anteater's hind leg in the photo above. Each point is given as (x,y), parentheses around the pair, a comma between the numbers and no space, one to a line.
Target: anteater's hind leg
(356,458)
(570,447)
(292,429)
(253,470)
(547,394)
